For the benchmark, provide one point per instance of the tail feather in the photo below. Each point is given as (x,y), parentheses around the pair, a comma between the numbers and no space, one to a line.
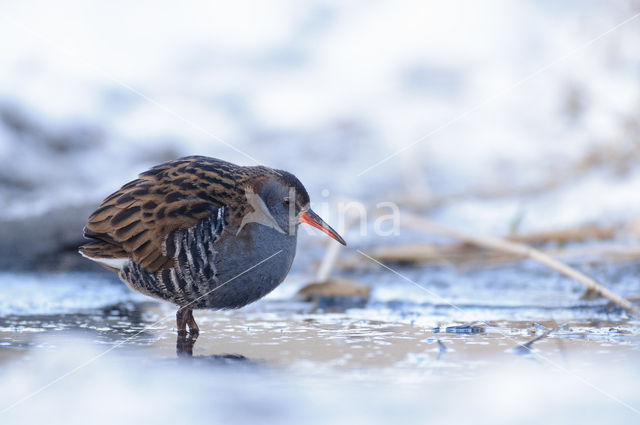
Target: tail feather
(108,255)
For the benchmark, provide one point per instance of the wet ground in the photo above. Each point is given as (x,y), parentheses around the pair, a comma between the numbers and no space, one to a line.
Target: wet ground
(448,347)
(505,137)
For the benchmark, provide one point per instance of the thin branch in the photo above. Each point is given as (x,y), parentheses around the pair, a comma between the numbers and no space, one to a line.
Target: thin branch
(515,248)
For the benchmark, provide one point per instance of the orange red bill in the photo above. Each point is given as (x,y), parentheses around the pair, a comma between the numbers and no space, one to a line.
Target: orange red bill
(314,220)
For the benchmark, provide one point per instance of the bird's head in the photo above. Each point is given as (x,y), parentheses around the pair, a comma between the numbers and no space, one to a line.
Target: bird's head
(286,203)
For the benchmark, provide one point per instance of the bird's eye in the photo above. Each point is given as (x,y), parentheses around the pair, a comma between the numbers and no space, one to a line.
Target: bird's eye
(285,201)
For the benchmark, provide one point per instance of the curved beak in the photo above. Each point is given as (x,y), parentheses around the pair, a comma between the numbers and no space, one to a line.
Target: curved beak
(314,219)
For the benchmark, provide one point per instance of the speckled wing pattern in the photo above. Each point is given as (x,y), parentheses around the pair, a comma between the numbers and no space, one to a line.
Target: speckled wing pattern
(136,221)
(193,273)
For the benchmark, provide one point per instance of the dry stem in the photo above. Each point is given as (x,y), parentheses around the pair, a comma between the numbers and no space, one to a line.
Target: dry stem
(516,249)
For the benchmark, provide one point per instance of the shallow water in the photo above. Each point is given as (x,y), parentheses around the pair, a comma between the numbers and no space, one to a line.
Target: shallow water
(512,344)
(85,341)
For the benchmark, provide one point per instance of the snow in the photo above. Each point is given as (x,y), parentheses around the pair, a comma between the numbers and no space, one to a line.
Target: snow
(23,293)
(485,94)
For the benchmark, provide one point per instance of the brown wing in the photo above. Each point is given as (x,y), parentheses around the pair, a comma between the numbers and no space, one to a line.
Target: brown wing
(175,195)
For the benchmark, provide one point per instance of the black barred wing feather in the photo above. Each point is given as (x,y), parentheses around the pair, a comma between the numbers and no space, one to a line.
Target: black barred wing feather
(144,218)
(193,266)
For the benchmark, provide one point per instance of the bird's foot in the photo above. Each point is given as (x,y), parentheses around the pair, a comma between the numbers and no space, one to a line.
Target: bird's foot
(191,323)
(184,318)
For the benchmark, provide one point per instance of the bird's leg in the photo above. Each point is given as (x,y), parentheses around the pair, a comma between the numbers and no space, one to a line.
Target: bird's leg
(191,322)
(181,320)
(184,318)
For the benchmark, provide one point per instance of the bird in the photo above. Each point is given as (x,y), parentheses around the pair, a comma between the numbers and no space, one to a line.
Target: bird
(202,233)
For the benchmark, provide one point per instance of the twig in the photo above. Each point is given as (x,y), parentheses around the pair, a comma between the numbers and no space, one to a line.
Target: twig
(588,231)
(516,249)
(464,253)
(333,249)
(328,261)
(526,347)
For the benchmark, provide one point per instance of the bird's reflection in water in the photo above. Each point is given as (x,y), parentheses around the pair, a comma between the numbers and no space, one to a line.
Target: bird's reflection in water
(184,343)
(184,349)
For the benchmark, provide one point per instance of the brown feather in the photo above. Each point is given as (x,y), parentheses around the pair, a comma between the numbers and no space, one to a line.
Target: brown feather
(175,195)
(102,249)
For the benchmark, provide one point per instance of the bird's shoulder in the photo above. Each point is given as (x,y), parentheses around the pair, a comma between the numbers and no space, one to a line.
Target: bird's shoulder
(175,195)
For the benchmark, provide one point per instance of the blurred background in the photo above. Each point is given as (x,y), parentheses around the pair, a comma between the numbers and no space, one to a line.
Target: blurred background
(530,108)
(517,119)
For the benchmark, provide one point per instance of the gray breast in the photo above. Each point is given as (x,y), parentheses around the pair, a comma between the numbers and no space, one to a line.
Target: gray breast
(214,268)
(250,266)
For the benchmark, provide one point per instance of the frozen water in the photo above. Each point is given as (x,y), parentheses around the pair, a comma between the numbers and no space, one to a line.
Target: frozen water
(407,355)
(59,293)
(502,96)
(281,361)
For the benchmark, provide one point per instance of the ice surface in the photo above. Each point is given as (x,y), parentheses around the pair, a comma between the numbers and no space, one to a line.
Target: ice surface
(493,97)
(236,391)
(47,293)
(405,356)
